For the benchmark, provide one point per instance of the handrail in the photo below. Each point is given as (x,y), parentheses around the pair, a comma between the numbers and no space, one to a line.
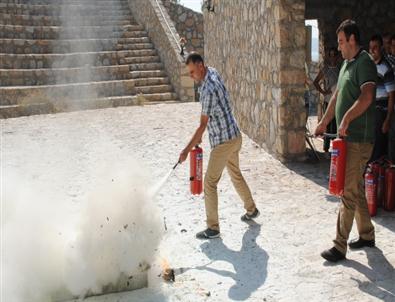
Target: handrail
(168,25)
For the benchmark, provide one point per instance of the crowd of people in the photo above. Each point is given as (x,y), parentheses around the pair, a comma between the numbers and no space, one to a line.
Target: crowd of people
(358,94)
(382,50)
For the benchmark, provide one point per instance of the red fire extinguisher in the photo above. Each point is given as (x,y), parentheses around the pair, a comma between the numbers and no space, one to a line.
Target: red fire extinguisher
(371,190)
(378,168)
(389,198)
(338,167)
(196,171)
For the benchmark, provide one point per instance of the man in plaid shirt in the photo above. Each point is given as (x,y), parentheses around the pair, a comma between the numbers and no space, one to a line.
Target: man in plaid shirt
(225,141)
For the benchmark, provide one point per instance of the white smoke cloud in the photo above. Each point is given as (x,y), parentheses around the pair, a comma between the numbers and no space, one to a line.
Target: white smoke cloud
(50,245)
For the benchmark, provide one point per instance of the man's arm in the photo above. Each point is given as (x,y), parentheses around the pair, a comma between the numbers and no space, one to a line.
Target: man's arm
(196,138)
(328,116)
(390,112)
(360,106)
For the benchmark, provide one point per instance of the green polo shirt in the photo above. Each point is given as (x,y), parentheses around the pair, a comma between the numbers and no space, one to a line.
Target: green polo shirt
(353,75)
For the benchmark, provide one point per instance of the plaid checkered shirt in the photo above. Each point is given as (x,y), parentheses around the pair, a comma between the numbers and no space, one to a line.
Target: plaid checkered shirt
(215,102)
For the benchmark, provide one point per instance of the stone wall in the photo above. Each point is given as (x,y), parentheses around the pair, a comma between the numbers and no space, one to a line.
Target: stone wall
(154,17)
(189,24)
(371,16)
(259,48)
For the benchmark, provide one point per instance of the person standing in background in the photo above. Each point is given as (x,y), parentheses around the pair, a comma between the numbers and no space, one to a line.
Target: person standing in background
(385,94)
(328,74)
(391,133)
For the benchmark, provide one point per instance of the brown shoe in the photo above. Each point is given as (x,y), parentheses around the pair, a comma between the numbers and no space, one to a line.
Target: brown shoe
(333,255)
(360,243)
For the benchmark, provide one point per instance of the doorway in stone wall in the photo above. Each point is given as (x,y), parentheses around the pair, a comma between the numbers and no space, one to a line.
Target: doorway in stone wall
(312,96)
(312,64)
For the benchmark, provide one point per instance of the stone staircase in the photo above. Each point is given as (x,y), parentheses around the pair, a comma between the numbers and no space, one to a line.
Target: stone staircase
(65,55)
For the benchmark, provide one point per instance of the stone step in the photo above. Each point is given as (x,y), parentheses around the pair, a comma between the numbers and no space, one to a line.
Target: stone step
(28,20)
(116,101)
(146,66)
(147,74)
(30,77)
(63,92)
(22,46)
(12,111)
(57,32)
(104,58)
(161,80)
(134,34)
(132,46)
(145,59)
(55,5)
(154,89)
(65,10)
(133,40)
(60,2)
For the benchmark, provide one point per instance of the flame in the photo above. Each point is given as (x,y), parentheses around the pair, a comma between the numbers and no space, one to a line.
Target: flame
(164,264)
(167,271)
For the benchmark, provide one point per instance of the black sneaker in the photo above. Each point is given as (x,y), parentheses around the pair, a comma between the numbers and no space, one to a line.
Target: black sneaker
(248,217)
(208,234)
(360,243)
(333,255)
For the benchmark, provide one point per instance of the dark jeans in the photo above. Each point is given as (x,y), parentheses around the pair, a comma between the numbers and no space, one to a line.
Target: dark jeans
(331,128)
(380,148)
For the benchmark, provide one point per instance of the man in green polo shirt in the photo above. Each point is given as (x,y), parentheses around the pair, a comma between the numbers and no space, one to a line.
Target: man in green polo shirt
(352,103)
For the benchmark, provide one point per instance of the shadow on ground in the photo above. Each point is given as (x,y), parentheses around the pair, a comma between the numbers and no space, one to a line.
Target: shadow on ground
(379,272)
(312,168)
(250,263)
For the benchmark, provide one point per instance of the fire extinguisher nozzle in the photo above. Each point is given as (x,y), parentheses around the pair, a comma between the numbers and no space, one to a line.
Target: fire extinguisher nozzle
(175,166)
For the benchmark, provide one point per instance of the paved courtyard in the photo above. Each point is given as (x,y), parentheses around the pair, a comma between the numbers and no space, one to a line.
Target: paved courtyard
(277,258)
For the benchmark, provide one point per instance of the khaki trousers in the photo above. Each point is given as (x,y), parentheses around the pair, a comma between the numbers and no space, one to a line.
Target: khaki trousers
(224,155)
(353,201)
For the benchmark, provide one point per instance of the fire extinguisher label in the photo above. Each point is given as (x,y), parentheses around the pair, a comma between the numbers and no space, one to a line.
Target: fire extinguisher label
(199,172)
(335,152)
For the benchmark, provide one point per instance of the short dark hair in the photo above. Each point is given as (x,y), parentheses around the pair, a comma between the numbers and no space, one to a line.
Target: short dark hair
(194,57)
(349,27)
(377,38)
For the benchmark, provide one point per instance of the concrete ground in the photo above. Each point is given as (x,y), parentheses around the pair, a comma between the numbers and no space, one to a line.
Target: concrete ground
(276,258)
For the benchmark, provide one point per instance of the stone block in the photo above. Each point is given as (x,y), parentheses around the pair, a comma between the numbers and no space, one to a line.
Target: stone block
(292,77)
(296,142)
(187,82)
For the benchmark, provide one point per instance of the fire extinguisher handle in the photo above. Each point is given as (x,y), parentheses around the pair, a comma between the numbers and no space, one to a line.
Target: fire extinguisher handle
(330,135)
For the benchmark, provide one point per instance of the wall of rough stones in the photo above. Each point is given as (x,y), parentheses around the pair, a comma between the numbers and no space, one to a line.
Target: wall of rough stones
(189,24)
(154,17)
(259,48)
(371,16)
